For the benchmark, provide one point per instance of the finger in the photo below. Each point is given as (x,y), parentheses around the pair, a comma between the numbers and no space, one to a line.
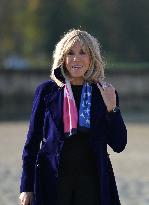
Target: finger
(21,200)
(104,84)
(109,87)
(30,201)
(26,201)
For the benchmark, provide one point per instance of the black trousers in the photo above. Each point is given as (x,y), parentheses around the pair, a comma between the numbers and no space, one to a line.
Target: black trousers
(78,190)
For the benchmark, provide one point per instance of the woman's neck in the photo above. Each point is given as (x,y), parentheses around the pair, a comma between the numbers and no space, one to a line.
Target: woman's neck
(77,81)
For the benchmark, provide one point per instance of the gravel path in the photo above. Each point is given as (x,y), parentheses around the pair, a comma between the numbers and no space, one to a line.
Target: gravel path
(131,167)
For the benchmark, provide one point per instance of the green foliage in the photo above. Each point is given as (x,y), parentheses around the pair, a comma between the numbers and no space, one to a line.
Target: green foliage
(33,27)
(128,66)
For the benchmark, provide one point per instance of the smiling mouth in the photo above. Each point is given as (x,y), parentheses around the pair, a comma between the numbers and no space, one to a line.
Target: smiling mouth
(77,67)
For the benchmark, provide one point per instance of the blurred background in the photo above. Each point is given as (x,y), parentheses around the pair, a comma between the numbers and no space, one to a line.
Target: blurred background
(29,31)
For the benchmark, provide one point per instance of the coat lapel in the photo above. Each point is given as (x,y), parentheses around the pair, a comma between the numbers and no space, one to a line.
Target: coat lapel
(56,108)
(53,121)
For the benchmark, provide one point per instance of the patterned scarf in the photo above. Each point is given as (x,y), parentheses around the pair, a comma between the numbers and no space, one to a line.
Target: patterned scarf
(70,113)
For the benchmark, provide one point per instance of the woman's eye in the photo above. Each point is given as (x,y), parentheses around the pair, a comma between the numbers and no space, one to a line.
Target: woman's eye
(82,52)
(70,53)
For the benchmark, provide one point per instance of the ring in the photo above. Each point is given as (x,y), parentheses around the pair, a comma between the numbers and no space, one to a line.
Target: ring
(105,85)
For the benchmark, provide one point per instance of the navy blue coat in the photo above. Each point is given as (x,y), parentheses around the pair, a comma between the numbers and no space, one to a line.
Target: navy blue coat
(45,139)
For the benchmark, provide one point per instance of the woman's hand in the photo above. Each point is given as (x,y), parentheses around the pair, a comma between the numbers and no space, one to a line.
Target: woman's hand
(108,95)
(26,198)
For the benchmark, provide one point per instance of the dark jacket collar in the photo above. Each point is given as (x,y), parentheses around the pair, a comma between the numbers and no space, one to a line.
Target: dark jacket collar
(58,74)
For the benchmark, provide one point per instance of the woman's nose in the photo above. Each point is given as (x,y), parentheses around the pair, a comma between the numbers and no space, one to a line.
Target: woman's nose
(75,58)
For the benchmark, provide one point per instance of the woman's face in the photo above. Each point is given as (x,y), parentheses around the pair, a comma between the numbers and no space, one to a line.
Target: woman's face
(77,62)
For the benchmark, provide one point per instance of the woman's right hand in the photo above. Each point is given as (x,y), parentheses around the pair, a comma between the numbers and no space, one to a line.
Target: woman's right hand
(26,198)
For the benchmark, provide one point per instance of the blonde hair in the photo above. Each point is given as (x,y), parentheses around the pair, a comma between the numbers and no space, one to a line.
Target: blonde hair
(96,70)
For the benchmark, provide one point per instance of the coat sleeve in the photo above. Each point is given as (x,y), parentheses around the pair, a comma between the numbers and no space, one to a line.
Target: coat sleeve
(116,130)
(33,140)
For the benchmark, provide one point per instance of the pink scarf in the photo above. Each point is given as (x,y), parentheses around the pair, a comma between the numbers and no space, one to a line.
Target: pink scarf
(70,114)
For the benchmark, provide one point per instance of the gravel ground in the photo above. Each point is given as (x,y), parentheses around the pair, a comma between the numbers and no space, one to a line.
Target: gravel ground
(131,167)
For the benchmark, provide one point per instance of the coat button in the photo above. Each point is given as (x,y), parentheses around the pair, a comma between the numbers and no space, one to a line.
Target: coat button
(44,140)
(56,174)
(57,154)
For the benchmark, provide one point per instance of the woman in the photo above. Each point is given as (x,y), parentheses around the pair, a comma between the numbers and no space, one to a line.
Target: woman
(74,117)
